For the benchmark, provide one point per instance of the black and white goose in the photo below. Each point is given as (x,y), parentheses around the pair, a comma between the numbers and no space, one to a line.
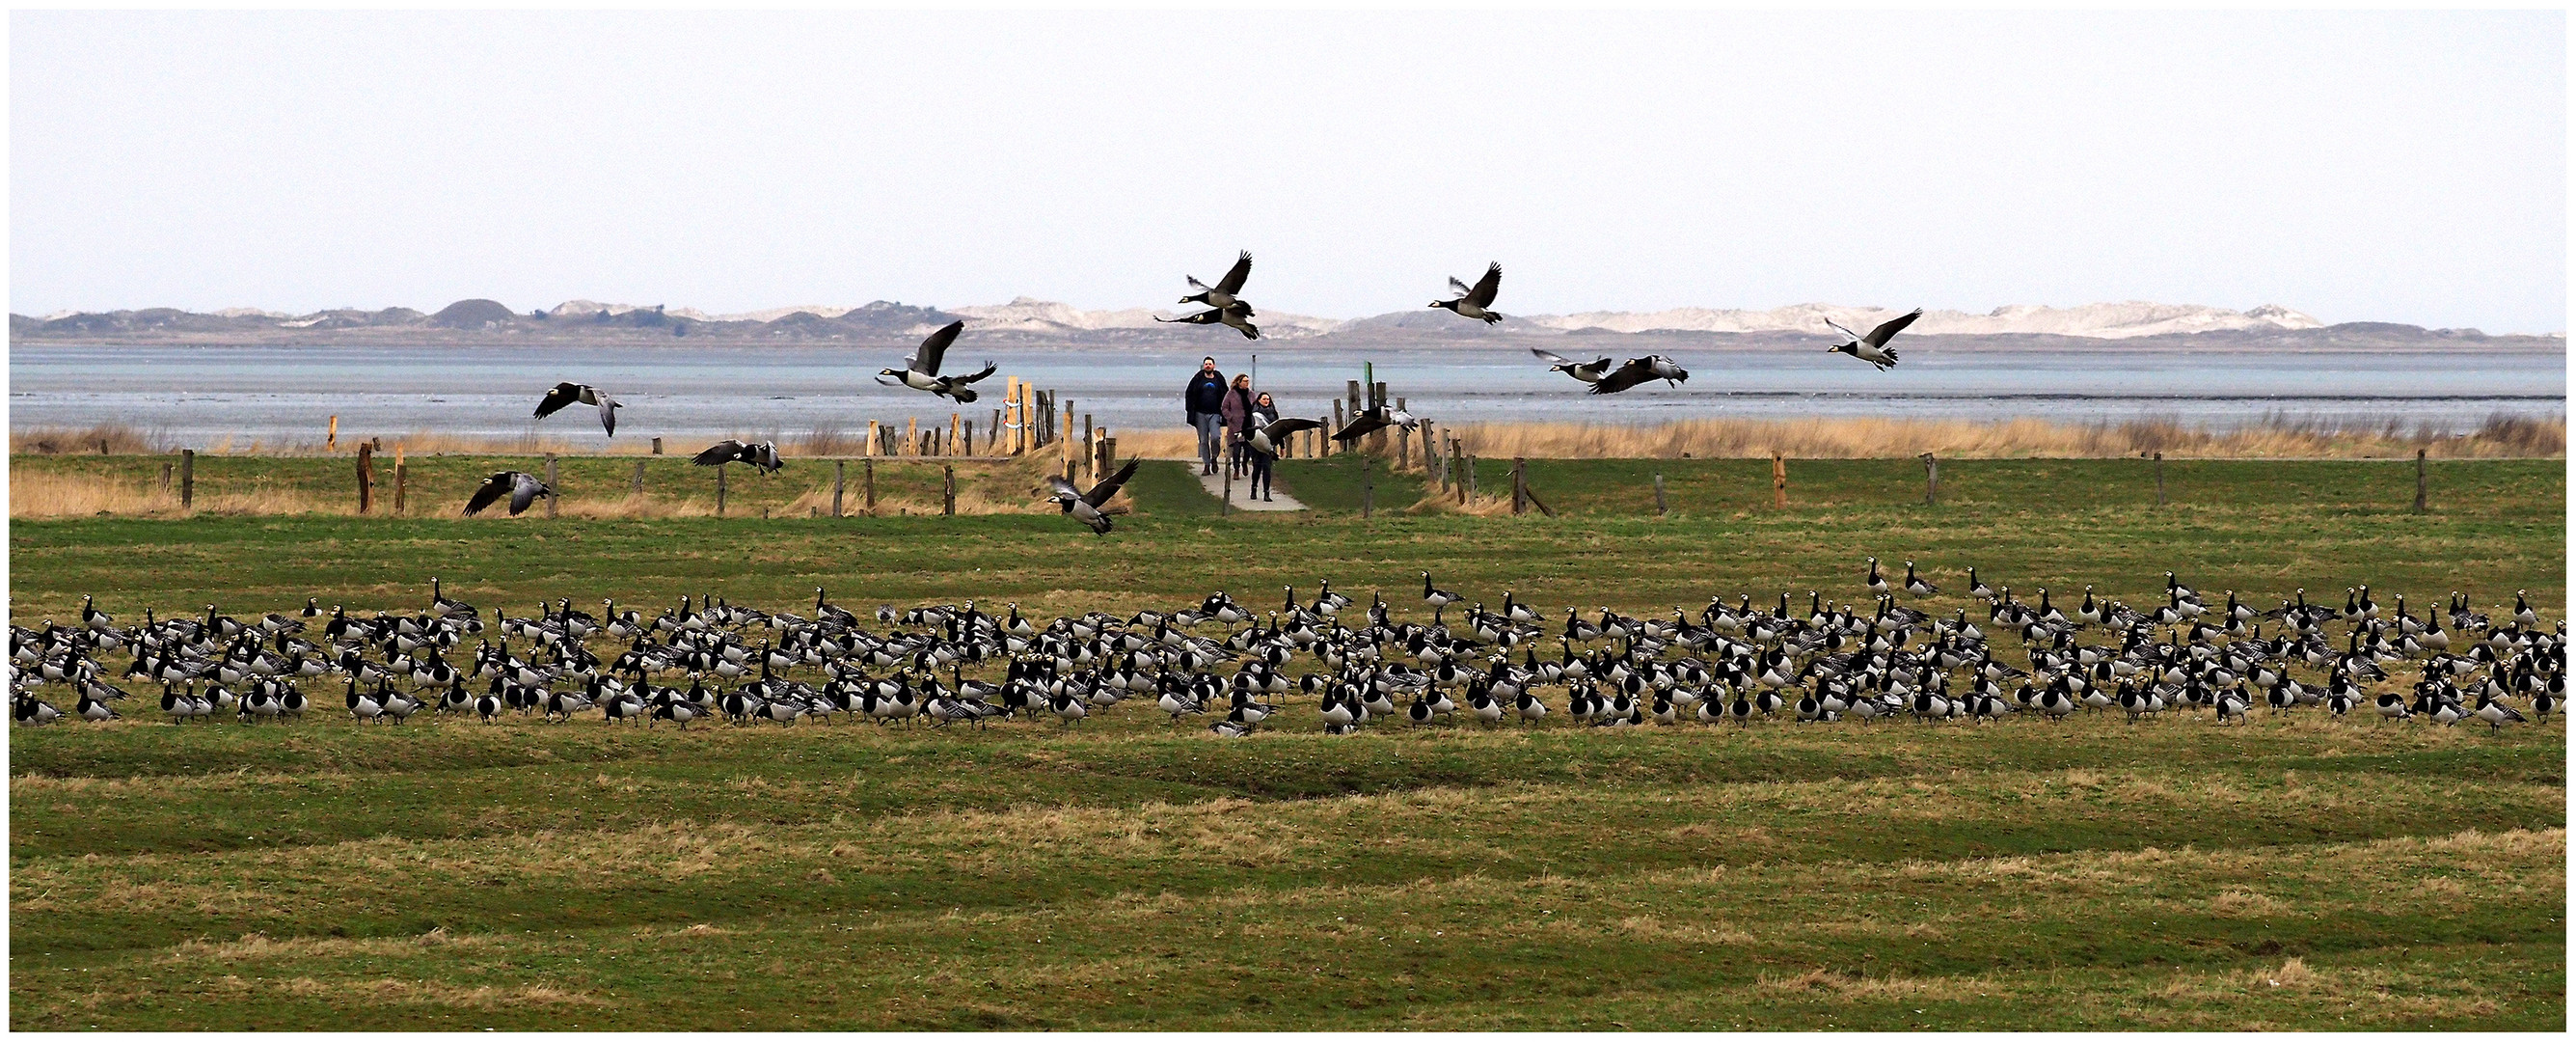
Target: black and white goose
(1373,421)
(1639,370)
(1228,291)
(921,371)
(1088,507)
(1267,438)
(1587,372)
(569,393)
(1917,585)
(1236,316)
(1438,599)
(1477,302)
(762,455)
(1873,348)
(521,487)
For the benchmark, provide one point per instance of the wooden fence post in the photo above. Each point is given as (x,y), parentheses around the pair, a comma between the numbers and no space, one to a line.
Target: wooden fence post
(720,487)
(550,483)
(1779,480)
(332,439)
(1337,425)
(838,467)
(187,478)
(402,482)
(165,476)
(1659,495)
(1520,491)
(1931,481)
(968,447)
(1368,488)
(639,477)
(1225,494)
(872,438)
(2160,479)
(1470,488)
(2421,482)
(366,477)
(657,446)
(868,479)
(1403,442)
(948,492)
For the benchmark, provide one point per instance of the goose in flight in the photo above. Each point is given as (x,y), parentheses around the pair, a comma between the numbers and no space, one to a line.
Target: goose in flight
(569,393)
(761,455)
(1237,315)
(1590,373)
(921,371)
(1640,370)
(1086,507)
(1873,348)
(1266,439)
(1373,421)
(1228,291)
(1477,302)
(523,488)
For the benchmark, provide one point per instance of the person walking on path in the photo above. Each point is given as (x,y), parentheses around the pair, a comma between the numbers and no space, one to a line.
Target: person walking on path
(1205,397)
(1264,413)
(1236,409)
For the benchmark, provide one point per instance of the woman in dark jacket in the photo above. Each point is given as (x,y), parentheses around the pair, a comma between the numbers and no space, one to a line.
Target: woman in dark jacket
(1237,406)
(1263,414)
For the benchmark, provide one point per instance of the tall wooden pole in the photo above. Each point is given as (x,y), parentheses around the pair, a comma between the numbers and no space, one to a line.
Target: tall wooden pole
(366,477)
(550,483)
(1779,480)
(837,473)
(187,478)
(1931,481)
(2422,483)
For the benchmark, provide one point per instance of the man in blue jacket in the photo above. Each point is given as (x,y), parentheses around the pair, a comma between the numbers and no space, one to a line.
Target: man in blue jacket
(1206,399)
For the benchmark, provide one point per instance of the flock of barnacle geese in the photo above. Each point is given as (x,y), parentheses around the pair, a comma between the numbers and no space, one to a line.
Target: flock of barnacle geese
(1232,665)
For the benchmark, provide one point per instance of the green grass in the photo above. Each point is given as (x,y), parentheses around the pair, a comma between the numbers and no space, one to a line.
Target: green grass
(2303,873)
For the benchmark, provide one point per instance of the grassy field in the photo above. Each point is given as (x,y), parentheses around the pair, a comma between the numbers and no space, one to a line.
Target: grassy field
(2302,873)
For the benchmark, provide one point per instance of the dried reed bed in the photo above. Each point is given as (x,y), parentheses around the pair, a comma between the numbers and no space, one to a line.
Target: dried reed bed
(1873,438)
(54,441)
(37,494)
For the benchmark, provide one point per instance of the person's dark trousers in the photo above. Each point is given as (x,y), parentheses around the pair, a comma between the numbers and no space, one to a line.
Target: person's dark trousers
(1260,473)
(1211,429)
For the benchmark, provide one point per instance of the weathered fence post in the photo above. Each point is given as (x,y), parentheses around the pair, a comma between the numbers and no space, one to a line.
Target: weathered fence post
(102,446)
(550,483)
(872,439)
(2160,479)
(948,491)
(1470,489)
(657,446)
(331,440)
(165,477)
(1659,495)
(868,481)
(1368,488)
(366,477)
(968,447)
(1337,425)
(1403,442)
(2421,482)
(187,477)
(1779,480)
(912,435)
(720,487)
(1931,481)
(1520,491)
(402,482)
(639,477)
(1225,495)
(838,468)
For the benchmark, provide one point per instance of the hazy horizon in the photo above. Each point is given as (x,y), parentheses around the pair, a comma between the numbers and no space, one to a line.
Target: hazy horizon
(2374,166)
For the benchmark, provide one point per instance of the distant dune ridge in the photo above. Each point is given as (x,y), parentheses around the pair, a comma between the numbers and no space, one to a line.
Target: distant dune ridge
(1029,320)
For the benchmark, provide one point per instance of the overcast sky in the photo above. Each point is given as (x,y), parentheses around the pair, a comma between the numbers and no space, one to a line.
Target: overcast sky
(2398,167)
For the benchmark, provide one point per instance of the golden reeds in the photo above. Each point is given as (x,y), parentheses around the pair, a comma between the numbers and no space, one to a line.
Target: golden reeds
(1877,438)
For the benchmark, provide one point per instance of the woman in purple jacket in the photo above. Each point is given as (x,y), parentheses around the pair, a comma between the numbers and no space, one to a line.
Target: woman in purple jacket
(1237,410)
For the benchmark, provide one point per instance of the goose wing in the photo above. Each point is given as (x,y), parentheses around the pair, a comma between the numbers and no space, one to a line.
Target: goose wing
(1635,371)
(607,412)
(925,360)
(563,394)
(1459,288)
(725,451)
(1236,276)
(492,489)
(1887,330)
(1282,428)
(1845,330)
(524,489)
(1063,487)
(1361,426)
(1200,319)
(1483,295)
(1101,493)
(961,381)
